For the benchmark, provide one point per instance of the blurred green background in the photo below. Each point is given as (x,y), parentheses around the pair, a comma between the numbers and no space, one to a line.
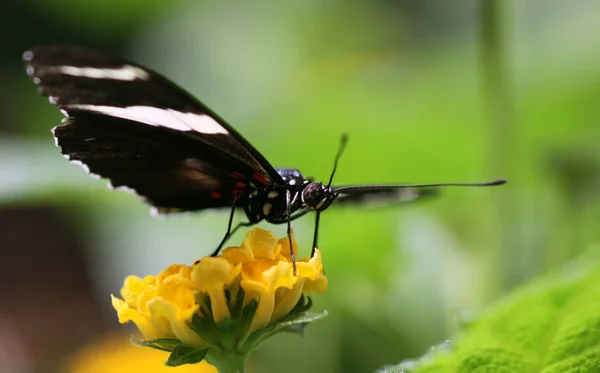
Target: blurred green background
(429,91)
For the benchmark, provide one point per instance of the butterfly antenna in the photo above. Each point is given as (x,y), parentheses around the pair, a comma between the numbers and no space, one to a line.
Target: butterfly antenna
(358,189)
(343,142)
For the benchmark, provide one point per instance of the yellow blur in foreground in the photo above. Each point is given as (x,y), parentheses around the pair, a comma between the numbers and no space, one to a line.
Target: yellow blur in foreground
(259,272)
(116,354)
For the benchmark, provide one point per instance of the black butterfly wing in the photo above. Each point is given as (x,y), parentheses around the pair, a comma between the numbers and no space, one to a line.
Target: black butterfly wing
(136,128)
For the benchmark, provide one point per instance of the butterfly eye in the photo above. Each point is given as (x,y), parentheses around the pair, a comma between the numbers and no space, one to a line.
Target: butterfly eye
(313,195)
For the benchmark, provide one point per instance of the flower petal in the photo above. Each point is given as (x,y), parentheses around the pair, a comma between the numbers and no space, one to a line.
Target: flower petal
(162,308)
(286,299)
(262,316)
(266,276)
(312,269)
(319,285)
(177,273)
(237,255)
(212,275)
(263,244)
(127,314)
(133,286)
(260,280)
(285,246)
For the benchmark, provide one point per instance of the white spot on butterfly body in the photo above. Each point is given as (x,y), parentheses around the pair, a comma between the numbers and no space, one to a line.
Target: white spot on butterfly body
(125,72)
(267,209)
(27,55)
(157,117)
(292,182)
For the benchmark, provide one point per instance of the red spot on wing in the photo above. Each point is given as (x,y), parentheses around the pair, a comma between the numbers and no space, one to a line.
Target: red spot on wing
(260,178)
(237,175)
(240,185)
(215,195)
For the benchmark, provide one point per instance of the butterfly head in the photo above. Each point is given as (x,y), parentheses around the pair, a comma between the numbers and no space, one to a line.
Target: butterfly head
(318,196)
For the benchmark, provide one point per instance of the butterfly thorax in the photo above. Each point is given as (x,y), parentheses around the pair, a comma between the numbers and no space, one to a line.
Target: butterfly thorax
(270,203)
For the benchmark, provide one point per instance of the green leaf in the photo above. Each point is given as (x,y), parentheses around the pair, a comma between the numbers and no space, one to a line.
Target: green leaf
(245,320)
(301,318)
(185,355)
(158,344)
(228,329)
(236,310)
(551,326)
(291,323)
(206,307)
(296,329)
(207,329)
(304,304)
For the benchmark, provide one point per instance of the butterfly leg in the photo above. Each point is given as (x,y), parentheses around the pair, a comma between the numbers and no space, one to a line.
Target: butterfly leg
(227,236)
(288,203)
(229,232)
(316,236)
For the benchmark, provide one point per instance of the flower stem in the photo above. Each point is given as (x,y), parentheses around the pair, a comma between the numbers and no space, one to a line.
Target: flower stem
(498,111)
(227,362)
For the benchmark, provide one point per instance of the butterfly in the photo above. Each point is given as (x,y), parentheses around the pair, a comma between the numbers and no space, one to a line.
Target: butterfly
(133,126)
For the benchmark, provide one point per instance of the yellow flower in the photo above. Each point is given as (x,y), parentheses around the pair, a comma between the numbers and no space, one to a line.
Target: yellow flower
(267,274)
(222,305)
(161,306)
